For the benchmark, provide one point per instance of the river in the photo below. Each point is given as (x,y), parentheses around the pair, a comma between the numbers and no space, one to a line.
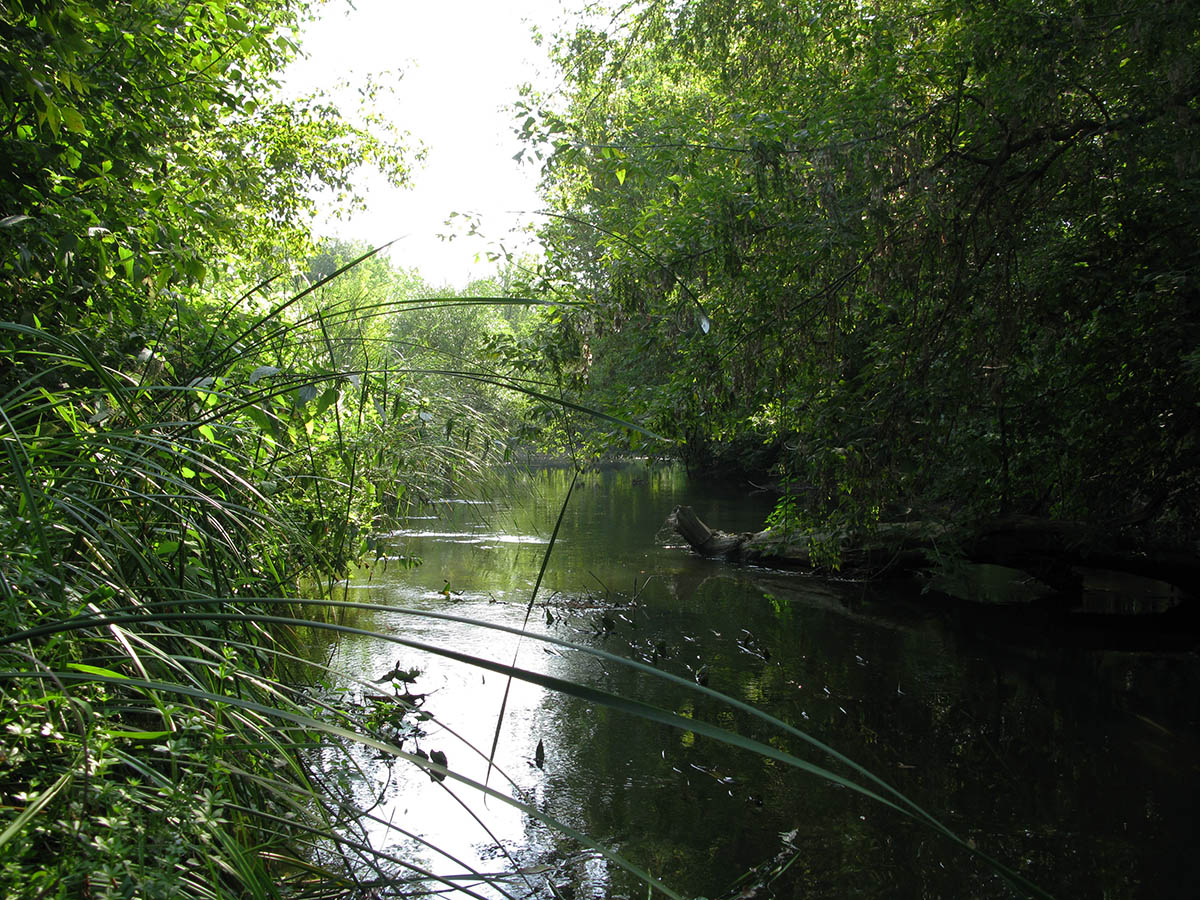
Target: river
(1077,768)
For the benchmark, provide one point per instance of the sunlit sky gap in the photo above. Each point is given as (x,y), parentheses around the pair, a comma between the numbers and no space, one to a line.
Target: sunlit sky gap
(454,65)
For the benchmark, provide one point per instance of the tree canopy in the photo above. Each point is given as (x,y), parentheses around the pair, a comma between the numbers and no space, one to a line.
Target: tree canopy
(934,255)
(145,146)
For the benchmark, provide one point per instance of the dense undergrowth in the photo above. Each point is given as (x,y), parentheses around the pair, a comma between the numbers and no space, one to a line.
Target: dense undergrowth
(148,757)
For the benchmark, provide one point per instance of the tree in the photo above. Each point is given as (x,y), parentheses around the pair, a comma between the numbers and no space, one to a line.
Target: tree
(144,146)
(940,254)
(173,429)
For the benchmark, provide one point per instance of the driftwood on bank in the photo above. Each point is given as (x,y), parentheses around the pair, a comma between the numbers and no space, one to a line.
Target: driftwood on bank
(1050,550)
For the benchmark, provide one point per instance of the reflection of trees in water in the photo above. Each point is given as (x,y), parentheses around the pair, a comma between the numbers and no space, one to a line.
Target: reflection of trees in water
(1038,754)
(1028,754)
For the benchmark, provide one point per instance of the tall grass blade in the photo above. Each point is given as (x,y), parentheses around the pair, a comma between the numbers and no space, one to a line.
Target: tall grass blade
(888,796)
(562,511)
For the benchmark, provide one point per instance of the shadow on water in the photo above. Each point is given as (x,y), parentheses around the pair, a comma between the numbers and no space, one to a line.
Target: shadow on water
(1077,768)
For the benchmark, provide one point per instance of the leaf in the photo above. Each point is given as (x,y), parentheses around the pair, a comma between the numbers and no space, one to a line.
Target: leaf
(438,758)
(96,670)
(260,418)
(330,397)
(263,372)
(620,176)
(52,116)
(10,221)
(72,119)
(14,828)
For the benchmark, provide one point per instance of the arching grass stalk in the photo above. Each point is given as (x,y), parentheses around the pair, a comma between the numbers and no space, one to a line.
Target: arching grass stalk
(525,622)
(882,792)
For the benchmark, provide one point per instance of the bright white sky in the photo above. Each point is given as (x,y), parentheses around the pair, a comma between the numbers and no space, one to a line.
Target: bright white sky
(462,61)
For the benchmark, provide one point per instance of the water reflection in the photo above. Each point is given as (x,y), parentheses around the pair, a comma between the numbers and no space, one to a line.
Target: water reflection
(1078,769)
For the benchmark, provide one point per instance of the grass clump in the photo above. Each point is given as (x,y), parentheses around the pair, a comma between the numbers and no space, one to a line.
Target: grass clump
(210,471)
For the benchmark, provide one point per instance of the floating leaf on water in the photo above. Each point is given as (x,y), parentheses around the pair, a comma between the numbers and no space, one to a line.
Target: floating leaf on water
(539,756)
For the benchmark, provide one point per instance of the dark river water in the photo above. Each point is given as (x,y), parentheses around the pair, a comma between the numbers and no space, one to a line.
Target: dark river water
(1077,768)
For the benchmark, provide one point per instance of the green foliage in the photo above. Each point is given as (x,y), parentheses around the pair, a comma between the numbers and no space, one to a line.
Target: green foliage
(943,253)
(182,483)
(174,463)
(162,446)
(157,735)
(144,148)
(212,470)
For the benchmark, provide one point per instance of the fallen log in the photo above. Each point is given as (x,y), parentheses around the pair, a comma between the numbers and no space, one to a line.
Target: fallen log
(705,540)
(899,546)
(1055,552)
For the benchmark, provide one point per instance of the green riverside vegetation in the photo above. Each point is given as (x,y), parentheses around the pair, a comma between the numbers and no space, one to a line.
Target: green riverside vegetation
(919,255)
(925,256)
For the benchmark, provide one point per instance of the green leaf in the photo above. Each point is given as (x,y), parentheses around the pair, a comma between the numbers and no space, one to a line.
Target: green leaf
(261,419)
(18,823)
(72,119)
(330,397)
(96,670)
